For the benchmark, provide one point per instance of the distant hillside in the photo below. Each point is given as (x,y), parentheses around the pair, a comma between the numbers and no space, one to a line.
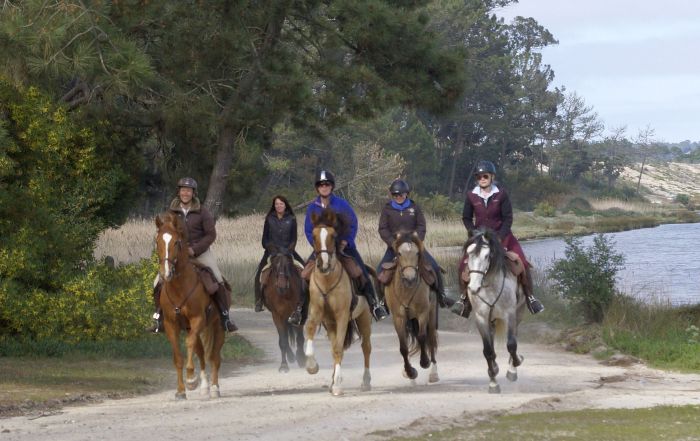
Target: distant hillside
(662,182)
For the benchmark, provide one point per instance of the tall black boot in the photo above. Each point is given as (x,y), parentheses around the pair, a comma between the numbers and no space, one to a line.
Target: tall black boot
(534,305)
(295,318)
(158,314)
(439,287)
(258,293)
(462,307)
(378,310)
(221,299)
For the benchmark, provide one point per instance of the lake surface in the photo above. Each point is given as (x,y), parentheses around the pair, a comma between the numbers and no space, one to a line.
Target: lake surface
(661,263)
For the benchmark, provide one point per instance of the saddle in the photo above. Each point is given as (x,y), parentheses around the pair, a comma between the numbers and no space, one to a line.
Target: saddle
(208,280)
(389,268)
(265,272)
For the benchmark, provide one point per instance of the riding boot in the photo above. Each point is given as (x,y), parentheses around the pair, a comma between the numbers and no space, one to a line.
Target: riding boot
(439,288)
(158,314)
(462,307)
(258,294)
(533,304)
(295,318)
(378,310)
(222,301)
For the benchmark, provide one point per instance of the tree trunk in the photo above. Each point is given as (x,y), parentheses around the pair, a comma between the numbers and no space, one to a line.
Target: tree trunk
(219,174)
(641,172)
(453,167)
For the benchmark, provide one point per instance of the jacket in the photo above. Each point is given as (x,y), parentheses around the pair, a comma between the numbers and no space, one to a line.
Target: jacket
(280,233)
(342,208)
(496,212)
(201,226)
(392,221)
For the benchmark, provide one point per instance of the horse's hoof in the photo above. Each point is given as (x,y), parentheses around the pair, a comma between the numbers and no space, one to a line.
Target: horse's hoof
(412,373)
(311,366)
(495,389)
(291,357)
(301,360)
(284,368)
(433,378)
(180,396)
(425,364)
(366,387)
(192,384)
(336,391)
(512,376)
(215,393)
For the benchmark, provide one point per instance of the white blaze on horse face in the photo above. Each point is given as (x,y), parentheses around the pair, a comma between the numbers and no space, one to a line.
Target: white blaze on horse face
(408,260)
(323,234)
(167,237)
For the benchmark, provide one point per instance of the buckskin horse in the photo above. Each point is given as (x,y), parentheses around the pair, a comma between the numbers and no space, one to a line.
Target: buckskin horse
(493,293)
(281,292)
(187,307)
(331,302)
(413,308)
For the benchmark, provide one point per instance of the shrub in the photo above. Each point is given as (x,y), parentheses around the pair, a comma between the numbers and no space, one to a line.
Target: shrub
(439,206)
(682,199)
(586,276)
(545,209)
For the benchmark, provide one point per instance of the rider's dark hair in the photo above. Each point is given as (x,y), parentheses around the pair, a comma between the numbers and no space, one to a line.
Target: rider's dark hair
(287,206)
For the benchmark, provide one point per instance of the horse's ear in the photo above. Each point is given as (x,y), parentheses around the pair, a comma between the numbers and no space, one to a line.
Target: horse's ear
(470,248)
(332,217)
(314,217)
(159,221)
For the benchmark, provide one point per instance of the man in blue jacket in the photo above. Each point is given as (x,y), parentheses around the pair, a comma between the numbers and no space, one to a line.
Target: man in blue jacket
(325,183)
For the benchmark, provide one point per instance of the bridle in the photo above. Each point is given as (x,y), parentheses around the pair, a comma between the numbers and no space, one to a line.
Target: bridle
(173,272)
(406,282)
(500,292)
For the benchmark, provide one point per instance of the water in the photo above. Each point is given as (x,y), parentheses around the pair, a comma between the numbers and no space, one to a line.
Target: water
(661,263)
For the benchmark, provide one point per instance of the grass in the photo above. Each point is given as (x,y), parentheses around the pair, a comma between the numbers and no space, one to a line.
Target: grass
(653,424)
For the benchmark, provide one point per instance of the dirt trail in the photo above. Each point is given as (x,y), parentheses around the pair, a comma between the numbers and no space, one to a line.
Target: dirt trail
(261,403)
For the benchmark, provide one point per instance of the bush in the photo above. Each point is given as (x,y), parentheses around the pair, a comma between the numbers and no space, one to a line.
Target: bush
(545,209)
(682,199)
(586,276)
(439,206)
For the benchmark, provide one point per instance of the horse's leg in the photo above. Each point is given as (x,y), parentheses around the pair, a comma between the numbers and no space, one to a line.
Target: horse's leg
(283,340)
(301,357)
(515,359)
(364,326)
(190,343)
(433,377)
(337,339)
(217,333)
(423,340)
(173,332)
(486,330)
(312,323)
(199,350)
(399,317)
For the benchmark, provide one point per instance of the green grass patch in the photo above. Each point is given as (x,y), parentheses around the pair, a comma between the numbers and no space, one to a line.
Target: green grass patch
(658,423)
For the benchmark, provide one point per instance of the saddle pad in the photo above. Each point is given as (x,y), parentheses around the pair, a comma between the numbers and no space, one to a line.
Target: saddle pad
(208,279)
(351,266)
(427,274)
(514,263)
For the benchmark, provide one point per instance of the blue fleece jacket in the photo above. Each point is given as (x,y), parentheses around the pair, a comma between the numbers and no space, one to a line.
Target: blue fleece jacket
(341,208)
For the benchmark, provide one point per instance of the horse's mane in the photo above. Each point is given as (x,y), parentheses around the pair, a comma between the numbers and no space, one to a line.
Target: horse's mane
(489,237)
(339,221)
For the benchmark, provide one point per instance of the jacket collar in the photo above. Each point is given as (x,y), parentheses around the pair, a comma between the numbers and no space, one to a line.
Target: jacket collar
(195,207)
(494,190)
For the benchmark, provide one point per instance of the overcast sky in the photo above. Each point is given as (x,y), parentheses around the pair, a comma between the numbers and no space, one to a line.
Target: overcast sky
(637,62)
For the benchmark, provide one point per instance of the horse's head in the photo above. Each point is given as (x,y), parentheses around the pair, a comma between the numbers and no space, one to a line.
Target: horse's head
(484,256)
(408,249)
(325,235)
(281,262)
(171,241)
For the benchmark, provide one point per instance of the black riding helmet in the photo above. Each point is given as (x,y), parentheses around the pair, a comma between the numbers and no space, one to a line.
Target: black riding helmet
(324,176)
(399,186)
(485,167)
(187,182)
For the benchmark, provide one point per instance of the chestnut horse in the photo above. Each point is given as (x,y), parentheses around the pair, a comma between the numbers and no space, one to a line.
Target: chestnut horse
(330,300)
(497,305)
(187,307)
(413,308)
(281,295)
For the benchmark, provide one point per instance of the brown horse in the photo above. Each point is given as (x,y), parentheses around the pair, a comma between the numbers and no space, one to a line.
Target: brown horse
(187,307)
(330,300)
(281,295)
(412,307)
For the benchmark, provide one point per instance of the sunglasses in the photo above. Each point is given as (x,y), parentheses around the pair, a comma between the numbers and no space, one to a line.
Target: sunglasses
(324,184)
(484,176)
(396,195)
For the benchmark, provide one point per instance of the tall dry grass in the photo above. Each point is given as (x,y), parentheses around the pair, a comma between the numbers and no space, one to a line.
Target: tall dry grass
(238,245)
(644,208)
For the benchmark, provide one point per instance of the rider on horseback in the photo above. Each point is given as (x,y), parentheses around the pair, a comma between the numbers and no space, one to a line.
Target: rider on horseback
(279,232)
(402,214)
(201,233)
(489,206)
(325,183)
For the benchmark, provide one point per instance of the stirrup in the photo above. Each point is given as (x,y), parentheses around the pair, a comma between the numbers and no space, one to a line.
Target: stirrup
(259,307)
(461,309)
(295,318)
(379,313)
(534,305)
(157,327)
(444,301)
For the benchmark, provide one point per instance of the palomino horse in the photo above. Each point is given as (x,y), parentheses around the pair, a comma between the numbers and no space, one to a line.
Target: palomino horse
(330,300)
(493,293)
(412,307)
(187,306)
(281,295)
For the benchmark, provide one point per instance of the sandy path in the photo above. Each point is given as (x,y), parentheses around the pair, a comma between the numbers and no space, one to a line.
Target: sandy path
(260,403)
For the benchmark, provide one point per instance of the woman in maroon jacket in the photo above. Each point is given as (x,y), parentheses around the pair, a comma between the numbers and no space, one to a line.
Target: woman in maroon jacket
(489,206)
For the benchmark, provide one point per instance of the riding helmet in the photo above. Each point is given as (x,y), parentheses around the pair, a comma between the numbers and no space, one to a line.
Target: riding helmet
(485,167)
(187,182)
(324,176)
(399,186)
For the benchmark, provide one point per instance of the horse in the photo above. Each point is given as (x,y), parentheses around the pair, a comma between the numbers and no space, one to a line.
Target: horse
(330,300)
(187,307)
(413,308)
(281,295)
(497,304)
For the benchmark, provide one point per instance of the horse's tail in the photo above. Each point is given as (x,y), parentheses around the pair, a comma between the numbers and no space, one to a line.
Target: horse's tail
(349,334)
(207,338)
(412,329)
(501,332)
